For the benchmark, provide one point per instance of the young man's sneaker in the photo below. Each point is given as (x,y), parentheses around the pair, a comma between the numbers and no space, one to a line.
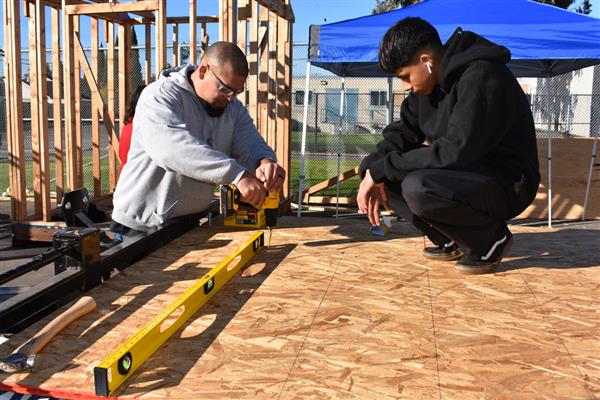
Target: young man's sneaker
(487,263)
(445,252)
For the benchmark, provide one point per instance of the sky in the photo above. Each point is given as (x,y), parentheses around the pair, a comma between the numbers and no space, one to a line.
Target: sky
(307,12)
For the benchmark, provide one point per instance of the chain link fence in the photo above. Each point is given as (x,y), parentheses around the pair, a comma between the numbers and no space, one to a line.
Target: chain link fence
(341,130)
(137,77)
(336,141)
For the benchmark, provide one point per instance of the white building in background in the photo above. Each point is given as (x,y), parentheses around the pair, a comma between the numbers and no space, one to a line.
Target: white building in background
(366,103)
(572,102)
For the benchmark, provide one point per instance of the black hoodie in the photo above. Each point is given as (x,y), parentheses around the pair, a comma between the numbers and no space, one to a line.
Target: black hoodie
(477,119)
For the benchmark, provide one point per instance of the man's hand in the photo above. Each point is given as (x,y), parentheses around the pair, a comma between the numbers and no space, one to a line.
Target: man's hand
(271,175)
(251,189)
(371,196)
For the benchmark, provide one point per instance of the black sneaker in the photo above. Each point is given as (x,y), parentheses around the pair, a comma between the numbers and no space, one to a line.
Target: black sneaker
(445,252)
(487,263)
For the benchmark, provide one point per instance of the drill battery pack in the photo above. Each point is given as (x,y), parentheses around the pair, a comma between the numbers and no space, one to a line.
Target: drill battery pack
(246,218)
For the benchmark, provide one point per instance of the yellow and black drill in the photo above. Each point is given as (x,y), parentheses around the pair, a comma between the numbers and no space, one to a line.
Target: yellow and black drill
(240,214)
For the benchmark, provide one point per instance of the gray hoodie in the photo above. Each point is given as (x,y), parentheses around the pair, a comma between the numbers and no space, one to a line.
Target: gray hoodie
(179,153)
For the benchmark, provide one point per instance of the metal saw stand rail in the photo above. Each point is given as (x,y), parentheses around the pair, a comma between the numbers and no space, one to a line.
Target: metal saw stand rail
(119,365)
(80,264)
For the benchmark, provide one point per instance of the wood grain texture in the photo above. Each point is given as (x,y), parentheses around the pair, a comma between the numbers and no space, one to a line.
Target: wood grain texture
(570,170)
(330,311)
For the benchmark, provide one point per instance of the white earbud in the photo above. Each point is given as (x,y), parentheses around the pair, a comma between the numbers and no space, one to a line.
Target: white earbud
(428,67)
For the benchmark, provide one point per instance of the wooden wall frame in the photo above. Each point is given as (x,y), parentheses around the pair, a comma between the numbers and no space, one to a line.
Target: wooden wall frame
(262,28)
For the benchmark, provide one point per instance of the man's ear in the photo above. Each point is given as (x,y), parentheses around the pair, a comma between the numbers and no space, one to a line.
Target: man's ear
(425,58)
(202,71)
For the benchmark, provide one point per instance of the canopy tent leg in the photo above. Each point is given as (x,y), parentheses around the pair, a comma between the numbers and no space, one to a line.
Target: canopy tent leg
(589,181)
(338,147)
(548,81)
(303,146)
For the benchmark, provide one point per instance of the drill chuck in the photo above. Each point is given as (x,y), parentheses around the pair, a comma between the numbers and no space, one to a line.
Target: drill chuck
(271,217)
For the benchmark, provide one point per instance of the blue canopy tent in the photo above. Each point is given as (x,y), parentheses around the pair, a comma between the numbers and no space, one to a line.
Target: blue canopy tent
(544,41)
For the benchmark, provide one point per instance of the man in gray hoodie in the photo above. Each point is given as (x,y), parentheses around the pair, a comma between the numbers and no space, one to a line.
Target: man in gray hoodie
(190,133)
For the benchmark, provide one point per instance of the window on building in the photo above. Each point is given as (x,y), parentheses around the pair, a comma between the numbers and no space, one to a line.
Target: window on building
(378,98)
(333,102)
(299,99)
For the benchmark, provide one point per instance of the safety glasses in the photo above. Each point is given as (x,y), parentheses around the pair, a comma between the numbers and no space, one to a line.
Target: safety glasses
(223,88)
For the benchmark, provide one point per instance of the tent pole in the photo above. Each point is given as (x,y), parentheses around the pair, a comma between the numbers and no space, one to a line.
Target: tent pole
(589,181)
(303,146)
(549,152)
(338,145)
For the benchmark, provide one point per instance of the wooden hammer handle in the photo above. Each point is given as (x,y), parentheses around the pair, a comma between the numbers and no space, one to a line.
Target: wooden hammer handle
(37,342)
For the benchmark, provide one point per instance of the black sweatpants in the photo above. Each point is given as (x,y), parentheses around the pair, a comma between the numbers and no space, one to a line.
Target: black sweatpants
(469,208)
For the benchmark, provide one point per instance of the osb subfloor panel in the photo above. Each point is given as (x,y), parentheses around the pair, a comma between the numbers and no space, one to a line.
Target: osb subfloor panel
(332,312)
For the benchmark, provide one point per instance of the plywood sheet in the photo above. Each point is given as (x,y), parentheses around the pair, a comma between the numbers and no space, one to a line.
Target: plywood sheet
(332,312)
(571,158)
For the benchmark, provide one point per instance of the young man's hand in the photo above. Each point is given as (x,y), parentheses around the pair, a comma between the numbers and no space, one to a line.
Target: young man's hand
(251,189)
(271,175)
(371,196)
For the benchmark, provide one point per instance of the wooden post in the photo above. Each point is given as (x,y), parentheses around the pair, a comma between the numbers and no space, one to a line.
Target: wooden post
(124,73)
(42,106)
(287,101)
(148,61)
(34,109)
(14,108)
(77,90)
(204,38)
(110,84)
(284,82)
(271,110)
(69,106)
(105,23)
(263,72)
(56,107)
(95,114)
(232,25)
(193,29)
(253,64)
(160,30)
(224,20)
(175,44)
(242,32)
(228,20)
(243,14)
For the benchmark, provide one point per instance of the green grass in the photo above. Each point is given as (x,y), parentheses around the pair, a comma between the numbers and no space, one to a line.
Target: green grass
(316,170)
(88,175)
(325,143)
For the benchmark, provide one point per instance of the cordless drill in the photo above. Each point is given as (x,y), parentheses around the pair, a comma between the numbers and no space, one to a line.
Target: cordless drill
(240,214)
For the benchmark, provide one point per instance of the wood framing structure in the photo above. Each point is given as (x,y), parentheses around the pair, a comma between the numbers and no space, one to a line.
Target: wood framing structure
(262,28)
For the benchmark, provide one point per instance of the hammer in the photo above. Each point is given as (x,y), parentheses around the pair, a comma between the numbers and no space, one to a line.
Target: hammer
(23,358)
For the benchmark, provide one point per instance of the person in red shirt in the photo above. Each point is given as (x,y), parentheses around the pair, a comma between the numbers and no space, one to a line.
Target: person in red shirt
(125,137)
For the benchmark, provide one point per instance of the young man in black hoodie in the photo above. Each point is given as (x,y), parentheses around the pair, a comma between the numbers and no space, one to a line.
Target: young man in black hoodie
(463,156)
